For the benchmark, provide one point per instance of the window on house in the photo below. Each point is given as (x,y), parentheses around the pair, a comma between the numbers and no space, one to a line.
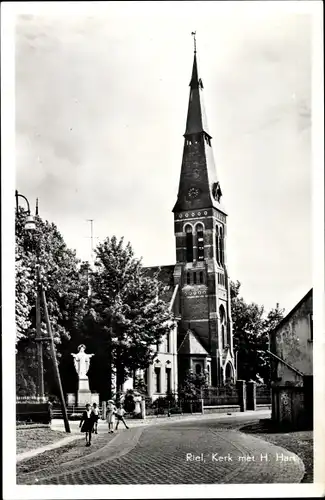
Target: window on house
(188,278)
(157,376)
(201,277)
(194,278)
(168,342)
(158,346)
(168,380)
(189,243)
(200,242)
(209,374)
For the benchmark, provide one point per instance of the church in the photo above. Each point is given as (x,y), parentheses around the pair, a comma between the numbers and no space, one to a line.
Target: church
(197,285)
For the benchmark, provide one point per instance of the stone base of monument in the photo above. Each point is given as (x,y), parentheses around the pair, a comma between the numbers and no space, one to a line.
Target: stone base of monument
(84,397)
(83,385)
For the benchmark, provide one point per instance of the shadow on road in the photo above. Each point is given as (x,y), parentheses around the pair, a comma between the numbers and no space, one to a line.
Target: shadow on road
(300,442)
(268,426)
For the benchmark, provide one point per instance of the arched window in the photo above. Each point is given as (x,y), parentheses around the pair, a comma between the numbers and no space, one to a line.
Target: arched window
(228,373)
(217,245)
(198,368)
(194,278)
(222,255)
(201,278)
(223,325)
(189,243)
(157,381)
(200,242)
(168,342)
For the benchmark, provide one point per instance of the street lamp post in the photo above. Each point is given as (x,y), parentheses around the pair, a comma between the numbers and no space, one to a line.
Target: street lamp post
(40,293)
(30,225)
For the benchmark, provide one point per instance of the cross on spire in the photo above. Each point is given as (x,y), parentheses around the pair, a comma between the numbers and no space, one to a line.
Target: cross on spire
(194,37)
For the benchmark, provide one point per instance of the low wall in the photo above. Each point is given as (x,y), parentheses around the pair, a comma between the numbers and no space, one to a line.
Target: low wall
(34,412)
(220,409)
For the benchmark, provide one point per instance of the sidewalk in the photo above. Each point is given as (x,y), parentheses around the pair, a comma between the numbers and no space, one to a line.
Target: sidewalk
(58,425)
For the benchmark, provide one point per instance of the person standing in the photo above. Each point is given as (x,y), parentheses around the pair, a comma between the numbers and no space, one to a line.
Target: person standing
(95,412)
(110,416)
(120,412)
(86,423)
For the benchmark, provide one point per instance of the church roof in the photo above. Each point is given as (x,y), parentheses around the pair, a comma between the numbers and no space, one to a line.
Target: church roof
(192,345)
(165,274)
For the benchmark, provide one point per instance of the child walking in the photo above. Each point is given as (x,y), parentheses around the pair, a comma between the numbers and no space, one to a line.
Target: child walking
(86,423)
(95,412)
(120,412)
(110,417)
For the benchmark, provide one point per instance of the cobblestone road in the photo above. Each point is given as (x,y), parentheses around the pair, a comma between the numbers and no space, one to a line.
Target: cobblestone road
(166,455)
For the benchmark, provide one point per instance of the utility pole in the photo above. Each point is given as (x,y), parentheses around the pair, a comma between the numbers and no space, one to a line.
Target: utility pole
(39,338)
(91,239)
(55,364)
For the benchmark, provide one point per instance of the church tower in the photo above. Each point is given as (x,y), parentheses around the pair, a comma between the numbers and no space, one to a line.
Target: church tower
(205,340)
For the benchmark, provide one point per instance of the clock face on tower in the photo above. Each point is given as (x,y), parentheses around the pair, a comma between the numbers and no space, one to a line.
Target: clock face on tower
(193,193)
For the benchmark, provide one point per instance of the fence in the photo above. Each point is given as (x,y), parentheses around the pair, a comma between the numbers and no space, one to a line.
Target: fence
(220,396)
(73,412)
(31,399)
(263,395)
(34,412)
(167,406)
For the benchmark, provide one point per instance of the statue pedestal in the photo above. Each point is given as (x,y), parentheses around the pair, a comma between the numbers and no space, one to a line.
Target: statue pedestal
(84,394)
(83,385)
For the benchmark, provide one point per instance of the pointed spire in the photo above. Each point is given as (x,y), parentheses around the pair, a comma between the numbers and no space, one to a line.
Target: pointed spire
(199,186)
(196,121)
(195,82)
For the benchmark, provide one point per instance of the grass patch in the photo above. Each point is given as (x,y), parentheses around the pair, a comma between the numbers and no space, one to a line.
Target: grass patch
(299,442)
(31,437)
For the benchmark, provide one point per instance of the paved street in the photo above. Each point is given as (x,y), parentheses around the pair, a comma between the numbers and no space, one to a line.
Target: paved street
(204,450)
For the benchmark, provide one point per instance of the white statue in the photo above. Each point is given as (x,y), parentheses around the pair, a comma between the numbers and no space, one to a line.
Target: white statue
(82,362)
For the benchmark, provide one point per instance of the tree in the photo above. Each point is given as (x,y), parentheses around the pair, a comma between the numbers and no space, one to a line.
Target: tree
(251,336)
(66,293)
(193,385)
(128,316)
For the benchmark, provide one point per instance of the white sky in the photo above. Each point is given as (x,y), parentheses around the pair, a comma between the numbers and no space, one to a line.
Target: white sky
(101,104)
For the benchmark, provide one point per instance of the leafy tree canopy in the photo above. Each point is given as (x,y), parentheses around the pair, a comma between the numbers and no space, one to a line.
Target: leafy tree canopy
(66,292)
(251,329)
(129,317)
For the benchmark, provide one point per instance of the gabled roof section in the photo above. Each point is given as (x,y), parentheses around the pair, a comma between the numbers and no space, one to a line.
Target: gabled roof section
(192,345)
(288,316)
(164,274)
